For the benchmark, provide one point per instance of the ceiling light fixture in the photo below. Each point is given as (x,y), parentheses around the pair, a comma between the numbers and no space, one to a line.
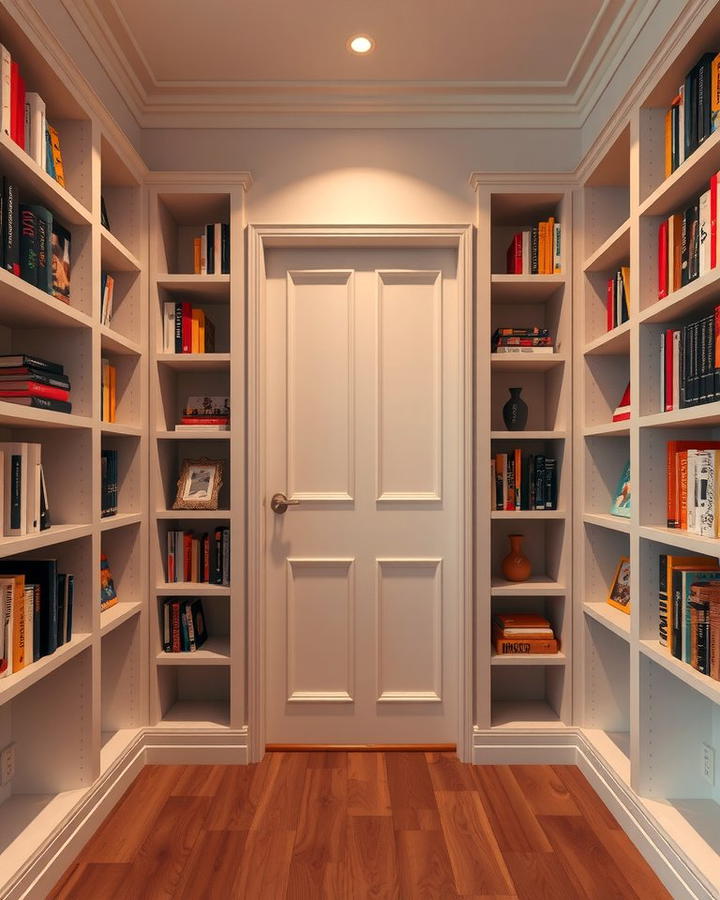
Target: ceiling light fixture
(360,44)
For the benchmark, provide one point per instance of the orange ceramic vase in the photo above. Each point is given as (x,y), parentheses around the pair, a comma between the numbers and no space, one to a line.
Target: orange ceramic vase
(516,566)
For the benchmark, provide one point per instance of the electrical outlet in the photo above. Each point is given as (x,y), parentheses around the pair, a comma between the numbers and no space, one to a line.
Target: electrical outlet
(708,763)
(7,765)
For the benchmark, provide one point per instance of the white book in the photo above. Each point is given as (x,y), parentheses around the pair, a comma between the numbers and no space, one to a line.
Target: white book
(6,625)
(526,252)
(28,135)
(557,248)
(168,327)
(662,372)
(705,468)
(32,521)
(691,496)
(676,369)
(703,234)
(5,66)
(681,129)
(16,462)
(35,142)
(533,350)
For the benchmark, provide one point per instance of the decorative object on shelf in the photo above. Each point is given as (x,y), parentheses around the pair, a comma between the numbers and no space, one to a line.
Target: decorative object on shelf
(516,566)
(523,634)
(199,484)
(619,595)
(622,410)
(622,497)
(108,594)
(515,411)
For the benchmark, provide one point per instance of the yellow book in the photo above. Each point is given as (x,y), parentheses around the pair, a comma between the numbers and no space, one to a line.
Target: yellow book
(112,372)
(668,142)
(715,94)
(201,329)
(625,272)
(542,248)
(105,396)
(549,245)
(197,254)
(57,155)
(20,656)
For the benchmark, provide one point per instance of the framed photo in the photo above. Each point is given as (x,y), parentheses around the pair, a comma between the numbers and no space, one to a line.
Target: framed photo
(199,484)
(619,595)
(623,496)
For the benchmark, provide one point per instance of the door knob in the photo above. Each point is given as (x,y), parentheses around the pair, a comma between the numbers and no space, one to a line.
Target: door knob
(279,503)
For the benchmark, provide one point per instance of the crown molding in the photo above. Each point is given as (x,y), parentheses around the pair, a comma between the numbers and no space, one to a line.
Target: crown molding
(543,179)
(204,179)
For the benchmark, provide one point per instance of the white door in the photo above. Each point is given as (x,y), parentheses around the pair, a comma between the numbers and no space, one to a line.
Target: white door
(363,428)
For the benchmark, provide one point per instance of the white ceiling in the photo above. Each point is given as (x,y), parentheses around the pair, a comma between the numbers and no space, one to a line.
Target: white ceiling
(184,60)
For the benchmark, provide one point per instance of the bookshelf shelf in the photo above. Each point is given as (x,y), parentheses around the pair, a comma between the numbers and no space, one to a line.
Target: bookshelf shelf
(676,537)
(525,288)
(528,514)
(528,435)
(618,622)
(194,362)
(691,177)
(192,589)
(707,414)
(114,342)
(606,520)
(20,681)
(613,343)
(25,306)
(524,714)
(536,585)
(11,546)
(214,652)
(197,714)
(114,256)
(118,429)
(111,618)
(682,302)
(611,429)
(13,414)
(189,436)
(703,684)
(613,253)
(215,286)
(532,659)
(120,520)
(518,362)
(614,747)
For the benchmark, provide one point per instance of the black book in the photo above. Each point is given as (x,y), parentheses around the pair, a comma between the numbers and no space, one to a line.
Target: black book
(534,250)
(550,484)
(28,245)
(225,245)
(525,483)
(36,621)
(45,520)
(539,482)
(198,620)
(104,221)
(701,634)
(178,328)
(498,489)
(716,361)
(226,556)
(663,600)
(16,475)
(217,573)
(64,406)
(69,599)
(210,251)
(532,486)
(690,106)
(704,91)
(709,369)
(11,227)
(22,360)
(510,479)
(61,582)
(702,360)
(683,366)
(676,588)
(44,224)
(42,572)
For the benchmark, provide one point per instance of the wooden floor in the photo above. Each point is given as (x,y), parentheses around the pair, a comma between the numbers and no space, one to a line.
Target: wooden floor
(357,825)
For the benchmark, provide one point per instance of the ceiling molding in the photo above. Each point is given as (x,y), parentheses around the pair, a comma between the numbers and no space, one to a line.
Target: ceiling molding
(171,104)
(206,179)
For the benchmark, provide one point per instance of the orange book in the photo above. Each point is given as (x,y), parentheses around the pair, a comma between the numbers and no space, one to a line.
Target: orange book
(675,227)
(668,142)
(521,620)
(524,646)
(518,479)
(197,255)
(105,385)
(19,653)
(198,331)
(542,248)
(672,494)
(681,460)
(112,393)
(549,246)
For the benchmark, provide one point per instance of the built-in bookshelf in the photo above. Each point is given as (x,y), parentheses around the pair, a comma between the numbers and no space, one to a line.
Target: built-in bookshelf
(513,692)
(202,690)
(73,713)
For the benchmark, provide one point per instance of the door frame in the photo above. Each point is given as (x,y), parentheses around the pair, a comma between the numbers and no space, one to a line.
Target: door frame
(260,238)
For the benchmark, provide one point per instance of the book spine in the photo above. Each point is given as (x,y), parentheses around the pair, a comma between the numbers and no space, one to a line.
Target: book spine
(508,646)
(610,305)
(210,249)
(178,327)
(16,477)
(662,260)
(5,90)
(534,250)
(677,610)
(167,644)
(11,227)
(668,370)
(186,327)
(662,601)
(175,626)
(704,241)
(539,482)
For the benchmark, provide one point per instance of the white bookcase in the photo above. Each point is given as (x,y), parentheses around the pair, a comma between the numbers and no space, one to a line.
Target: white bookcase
(71,715)
(517,693)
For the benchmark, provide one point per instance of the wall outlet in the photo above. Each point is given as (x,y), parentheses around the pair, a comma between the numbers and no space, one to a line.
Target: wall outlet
(708,763)
(7,765)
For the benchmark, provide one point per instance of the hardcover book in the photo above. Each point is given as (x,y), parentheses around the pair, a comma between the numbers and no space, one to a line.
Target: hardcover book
(622,497)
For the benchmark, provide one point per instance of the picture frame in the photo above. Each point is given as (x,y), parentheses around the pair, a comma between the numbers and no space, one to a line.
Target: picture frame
(198,486)
(619,595)
(622,498)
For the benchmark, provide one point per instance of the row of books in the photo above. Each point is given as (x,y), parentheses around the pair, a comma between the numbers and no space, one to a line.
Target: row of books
(109,483)
(689,610)
(23,497)
(523,481)
(618,298)
(108,594)
(211,251)
(690,363)
(31,381)
(35,246)
(187,329)
(107,288)
(108,391)
(196,558)
(694,113)
(205,414)
(36,605)
(183,624)
(688,242)
(530,339)
(520,634)
(537,251)
(23,117)
(693,470)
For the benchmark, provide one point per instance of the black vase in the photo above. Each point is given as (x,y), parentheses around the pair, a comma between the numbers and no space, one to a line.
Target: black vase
(515,411)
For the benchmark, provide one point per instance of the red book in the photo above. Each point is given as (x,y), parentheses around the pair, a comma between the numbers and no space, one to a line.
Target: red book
(713,219)
(187,555)
(663,261)
(175,625)
(673,448)
(187,328)
(514,255)
(622,410)
(32,389)
(610,303)
(21,112)
(14,85)
(206,558)
(669,399)
(204,420)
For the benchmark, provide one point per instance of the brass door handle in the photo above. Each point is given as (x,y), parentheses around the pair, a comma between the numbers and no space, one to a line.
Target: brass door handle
(279,503)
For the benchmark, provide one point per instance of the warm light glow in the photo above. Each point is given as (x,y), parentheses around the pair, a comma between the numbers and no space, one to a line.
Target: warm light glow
(361,43)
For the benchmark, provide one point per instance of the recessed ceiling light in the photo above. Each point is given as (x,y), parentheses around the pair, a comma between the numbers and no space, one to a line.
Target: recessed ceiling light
(360,44)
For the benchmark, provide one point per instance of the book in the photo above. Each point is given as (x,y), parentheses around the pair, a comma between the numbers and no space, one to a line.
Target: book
(42,572)
(61,265)
(619,595)
(5,89)
(622,497)
(11,227)
(525,646)
(57,159)
(63,406)
(35,130)
(43,226)
(104,219)
(622,410)
(108,594)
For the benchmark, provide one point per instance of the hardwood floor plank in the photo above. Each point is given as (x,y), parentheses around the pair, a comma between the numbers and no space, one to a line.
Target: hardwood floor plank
(368,792)
(411,792)
(235,803)
(212,865)
(583,855)
(545,792)
(541,876)
(198,781)
(477,864)
(372,859)
(281,785)
(511,817)
(447,773)
(264,867)
(424,866)
(328,759)
(91,881)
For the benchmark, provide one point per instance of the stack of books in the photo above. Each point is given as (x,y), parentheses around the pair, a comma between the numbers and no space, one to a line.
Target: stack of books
(108,391)
(107,287)
(211,251)
(23,498)
(23,119)
(205,414)
(522,634)
(537,251)
(532,339)
(690,363)
(109,483)
(187,329)
(618,298)
(191,559)
(32,381)
(108,594)
(693,470)
(183,624)
(689,605)
(523,481)
(695,111)
(36,604)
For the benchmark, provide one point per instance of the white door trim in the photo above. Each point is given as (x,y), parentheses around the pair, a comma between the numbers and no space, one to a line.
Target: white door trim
(261,237)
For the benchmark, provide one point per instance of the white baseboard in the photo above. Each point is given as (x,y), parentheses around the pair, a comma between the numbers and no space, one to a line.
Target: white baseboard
(170,746)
